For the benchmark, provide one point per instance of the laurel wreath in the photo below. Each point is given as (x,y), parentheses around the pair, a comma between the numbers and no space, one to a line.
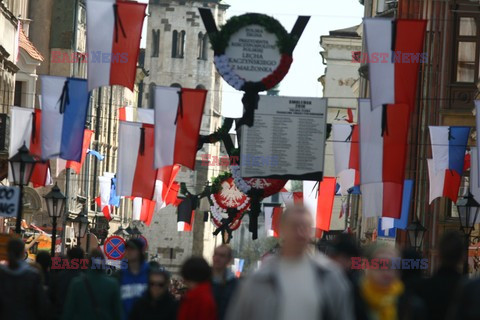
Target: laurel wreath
(285,43)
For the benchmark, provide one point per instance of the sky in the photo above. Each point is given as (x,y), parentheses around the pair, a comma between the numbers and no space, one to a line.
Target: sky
(307,67)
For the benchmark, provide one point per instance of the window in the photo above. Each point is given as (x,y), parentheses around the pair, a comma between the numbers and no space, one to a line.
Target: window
(178,44)
(175,85)
(466,47)
(202,46)
(18,96)
(151,95)
(201,87)
(155,42)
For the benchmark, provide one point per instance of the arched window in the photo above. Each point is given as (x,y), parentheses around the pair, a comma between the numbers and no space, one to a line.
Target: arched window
(201,86)
(178,44)
(174,43)
(176,85)
(155,42)
(202,46)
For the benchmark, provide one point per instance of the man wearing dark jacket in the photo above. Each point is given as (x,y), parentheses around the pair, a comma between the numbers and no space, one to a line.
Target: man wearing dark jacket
(61,280)
(438,292)
(22,295)
(224,281)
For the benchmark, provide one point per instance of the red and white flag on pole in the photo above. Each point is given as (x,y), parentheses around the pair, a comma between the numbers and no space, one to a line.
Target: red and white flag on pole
(273,215)
(166,189)
(178,116)
(318,198)
(383,148)
(114,29)
(346,154)
(136,115)
(136,174)
(25,127)
(394,48)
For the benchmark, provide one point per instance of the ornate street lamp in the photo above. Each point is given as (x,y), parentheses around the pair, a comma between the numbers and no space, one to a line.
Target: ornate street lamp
(80,224)
(55,206)
(468,209)
(22,165)
(415,233)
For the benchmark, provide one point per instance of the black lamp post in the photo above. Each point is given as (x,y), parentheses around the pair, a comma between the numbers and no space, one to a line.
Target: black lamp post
(415,233)
(55,206)
(80,224)
(468,209)
(22,165)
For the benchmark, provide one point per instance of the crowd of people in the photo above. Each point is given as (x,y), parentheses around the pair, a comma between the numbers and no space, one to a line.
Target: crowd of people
(294,284)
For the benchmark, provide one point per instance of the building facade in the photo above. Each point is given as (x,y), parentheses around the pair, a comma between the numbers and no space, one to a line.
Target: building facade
(178,54)
(341,86)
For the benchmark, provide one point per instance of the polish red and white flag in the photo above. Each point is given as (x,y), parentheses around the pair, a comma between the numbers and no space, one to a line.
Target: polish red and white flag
(178,116)
(318,197)
(114,30)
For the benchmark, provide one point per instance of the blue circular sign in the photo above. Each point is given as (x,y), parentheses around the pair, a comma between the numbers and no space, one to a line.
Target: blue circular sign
(114,247)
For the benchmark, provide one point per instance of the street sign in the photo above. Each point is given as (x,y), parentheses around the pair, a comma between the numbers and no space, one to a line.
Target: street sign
(9,201)
(145,242)
(114,247)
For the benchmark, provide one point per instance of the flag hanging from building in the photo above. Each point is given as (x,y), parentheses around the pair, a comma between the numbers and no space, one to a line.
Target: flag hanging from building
(389,223)
(64,113)
(178,116)
(186,213)
(77,166)
(25,128)
(291,198)
(136,115)
(103,201)
(136,174)
(346,155)
(383,148)
(114,30)
(165,190)
(318,198)
(394,49)
(143,210)
(445,169)
(273,215)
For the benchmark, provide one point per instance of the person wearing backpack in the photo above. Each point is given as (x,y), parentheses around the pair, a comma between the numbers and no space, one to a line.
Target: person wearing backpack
(93,295)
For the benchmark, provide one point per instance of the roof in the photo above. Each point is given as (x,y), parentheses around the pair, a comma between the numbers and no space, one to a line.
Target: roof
(347,32)
(28,46)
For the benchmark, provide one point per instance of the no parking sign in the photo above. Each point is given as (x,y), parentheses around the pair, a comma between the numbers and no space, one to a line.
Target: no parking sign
(114,248)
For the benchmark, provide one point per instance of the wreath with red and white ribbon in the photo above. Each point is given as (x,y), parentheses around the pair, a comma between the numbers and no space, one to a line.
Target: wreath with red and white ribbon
(266,186)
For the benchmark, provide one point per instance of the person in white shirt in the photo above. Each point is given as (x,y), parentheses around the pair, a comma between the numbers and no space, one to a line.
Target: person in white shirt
(294,285)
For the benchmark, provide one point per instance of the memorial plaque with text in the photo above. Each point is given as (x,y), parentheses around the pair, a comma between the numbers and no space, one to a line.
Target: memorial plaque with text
(287,140)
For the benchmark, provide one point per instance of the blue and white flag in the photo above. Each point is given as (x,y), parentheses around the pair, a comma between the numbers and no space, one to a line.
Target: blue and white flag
(64,113)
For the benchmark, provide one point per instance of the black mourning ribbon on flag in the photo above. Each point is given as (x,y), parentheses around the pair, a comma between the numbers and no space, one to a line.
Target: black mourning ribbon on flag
(34,126)
(142,141)
(450,136)
(118,23)
(349,138)
(394,39)
(64,98)
(180,106)
(384,120)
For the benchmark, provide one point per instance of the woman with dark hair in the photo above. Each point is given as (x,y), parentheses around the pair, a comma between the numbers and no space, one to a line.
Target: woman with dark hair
(157,303)
(198,303)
